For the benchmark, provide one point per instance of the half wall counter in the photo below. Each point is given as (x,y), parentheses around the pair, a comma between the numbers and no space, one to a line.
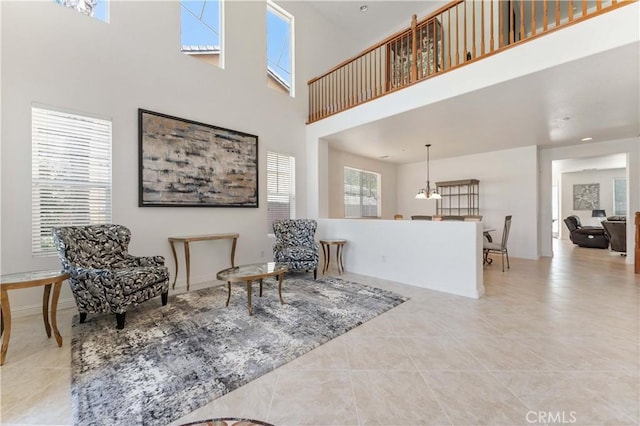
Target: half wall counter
(442,255)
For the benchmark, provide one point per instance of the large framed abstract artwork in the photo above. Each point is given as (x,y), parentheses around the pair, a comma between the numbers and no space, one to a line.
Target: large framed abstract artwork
(184,163)
(586,196)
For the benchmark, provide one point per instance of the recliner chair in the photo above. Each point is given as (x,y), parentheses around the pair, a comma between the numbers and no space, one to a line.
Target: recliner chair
(617,232)
(586,236)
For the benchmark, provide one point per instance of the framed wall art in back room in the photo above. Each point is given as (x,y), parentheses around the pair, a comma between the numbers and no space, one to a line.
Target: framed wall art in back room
(183,163)
(586,196)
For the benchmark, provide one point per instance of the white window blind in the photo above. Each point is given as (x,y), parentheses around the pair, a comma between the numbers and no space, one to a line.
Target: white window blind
(70,173)
(281,188)
(361,193)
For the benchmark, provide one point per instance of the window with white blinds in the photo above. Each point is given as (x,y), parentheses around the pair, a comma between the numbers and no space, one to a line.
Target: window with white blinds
(361,193)
(70,173)
(281,188)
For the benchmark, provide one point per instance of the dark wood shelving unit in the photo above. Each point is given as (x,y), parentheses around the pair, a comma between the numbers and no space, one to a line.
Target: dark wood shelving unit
(459,197)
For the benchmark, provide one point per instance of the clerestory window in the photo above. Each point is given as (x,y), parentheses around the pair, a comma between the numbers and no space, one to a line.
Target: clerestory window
(280,49)
(98,9)
(201,30)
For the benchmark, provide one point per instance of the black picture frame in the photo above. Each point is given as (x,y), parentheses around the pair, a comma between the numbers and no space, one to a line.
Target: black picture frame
(185,163)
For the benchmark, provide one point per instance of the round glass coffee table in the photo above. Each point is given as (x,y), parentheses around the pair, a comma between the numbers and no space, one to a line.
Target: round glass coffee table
(251,273)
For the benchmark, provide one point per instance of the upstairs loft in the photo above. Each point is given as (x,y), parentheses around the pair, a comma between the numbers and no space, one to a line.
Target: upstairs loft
(460,33)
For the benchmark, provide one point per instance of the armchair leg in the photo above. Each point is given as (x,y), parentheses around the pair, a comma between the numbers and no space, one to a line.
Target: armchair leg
(83,317)
(120,320)
(165,297)
(315,274)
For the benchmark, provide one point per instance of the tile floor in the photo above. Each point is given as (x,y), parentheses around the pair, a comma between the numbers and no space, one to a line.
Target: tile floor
(553,341)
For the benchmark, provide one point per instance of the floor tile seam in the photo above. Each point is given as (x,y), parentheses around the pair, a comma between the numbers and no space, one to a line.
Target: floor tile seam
(31,368)
(41,369)
(613,407)
(598,353)
(551,362)
(512,392)
(349,369)
(433,393)
(468,352)
(385,370)
(353,393)
(398,340)
(486,367)
(434,370)
(273,393)
(321,370)
(426,335)
(556,370)
(355,400)
(486,323)
(25,405)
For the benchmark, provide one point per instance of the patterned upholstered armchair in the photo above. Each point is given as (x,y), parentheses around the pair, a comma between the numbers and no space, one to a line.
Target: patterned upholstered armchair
(104,276)
(295,244)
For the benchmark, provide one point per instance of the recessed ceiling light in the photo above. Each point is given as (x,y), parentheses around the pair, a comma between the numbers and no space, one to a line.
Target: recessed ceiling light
(586,139)
(364,8)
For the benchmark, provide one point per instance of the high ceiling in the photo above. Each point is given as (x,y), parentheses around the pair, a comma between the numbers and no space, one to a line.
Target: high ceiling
(595,97)
(381,19)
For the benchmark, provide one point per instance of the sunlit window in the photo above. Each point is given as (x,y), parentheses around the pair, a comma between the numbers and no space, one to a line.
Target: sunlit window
(201,30)
(70,173)
(281,188)
(620,196)
(279,48)
(361,193)
(98,9)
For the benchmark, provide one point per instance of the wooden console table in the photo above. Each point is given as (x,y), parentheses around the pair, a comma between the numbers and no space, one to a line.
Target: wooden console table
(26,280)
(192,238)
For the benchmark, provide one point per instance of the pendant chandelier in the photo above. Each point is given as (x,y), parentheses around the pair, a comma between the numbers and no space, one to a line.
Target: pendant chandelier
(427,193)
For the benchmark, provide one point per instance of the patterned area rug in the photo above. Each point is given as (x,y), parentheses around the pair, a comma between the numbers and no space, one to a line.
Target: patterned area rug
(168,361)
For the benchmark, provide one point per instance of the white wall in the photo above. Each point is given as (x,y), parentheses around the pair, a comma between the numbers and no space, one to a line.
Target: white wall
(55,56)
(508,186)
(338,160)
(602,177)
(442,256)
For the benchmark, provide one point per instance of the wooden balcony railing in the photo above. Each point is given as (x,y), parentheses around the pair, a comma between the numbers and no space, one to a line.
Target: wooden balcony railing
(457,34)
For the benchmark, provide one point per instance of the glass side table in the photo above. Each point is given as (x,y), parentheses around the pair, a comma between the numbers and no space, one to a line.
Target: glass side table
(26,280)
